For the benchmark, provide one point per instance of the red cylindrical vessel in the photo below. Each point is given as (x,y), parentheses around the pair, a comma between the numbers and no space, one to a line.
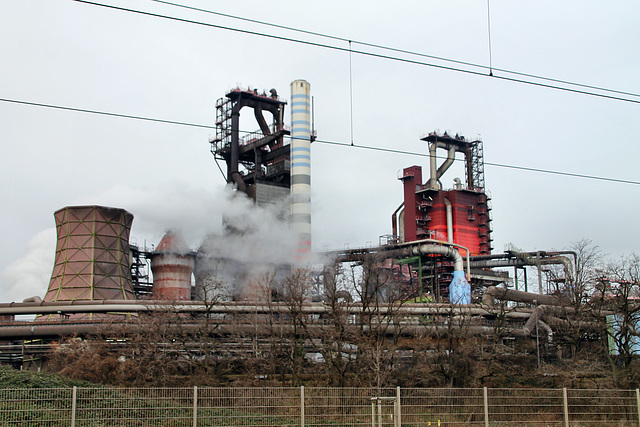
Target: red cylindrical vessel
(172,266)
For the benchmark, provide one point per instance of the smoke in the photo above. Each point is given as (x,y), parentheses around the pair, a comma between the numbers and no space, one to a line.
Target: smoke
(262,234)
(29,276)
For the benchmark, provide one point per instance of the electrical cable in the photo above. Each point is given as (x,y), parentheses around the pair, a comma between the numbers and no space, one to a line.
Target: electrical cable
(392,49)
(489,31)
(320,141)
(360,52)
(104,113)
(500,165)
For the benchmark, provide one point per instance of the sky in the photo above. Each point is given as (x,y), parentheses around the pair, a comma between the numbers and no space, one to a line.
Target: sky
(78,55)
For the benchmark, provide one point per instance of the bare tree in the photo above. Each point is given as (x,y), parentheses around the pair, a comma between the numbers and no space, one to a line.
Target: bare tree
(337,335)
(624,286)
(379,325)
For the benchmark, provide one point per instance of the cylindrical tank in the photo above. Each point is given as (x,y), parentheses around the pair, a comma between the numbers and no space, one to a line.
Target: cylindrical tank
(172,265)
(301,166)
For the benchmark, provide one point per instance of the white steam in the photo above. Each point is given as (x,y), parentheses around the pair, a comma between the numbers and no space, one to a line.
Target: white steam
(264,237)
(29,276)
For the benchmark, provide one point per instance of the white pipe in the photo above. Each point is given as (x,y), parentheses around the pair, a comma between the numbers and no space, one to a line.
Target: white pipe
(447,204)
(451,155)
(440,242)
(433,170)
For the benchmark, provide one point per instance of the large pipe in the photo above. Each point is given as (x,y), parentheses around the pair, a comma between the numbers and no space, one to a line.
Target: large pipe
(451,155)
(61,329)
(449,210)
(394,220)
(459,288)
(433,168)
(418,243)
(493,292)
(525,259)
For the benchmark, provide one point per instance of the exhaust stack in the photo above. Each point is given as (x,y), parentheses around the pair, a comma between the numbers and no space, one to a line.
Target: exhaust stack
(301,167)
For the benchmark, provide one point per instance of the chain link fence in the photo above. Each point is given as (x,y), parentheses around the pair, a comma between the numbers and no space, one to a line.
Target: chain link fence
(317,406)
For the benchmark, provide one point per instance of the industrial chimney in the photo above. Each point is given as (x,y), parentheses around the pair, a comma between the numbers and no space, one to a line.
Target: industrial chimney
(301,167)
(172,265)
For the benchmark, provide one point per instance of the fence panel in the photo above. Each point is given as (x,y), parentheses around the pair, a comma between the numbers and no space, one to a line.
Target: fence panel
(529,406)
(247,407)
(603,407)
(446,407)
(134,406)
(323,406)
(36,407)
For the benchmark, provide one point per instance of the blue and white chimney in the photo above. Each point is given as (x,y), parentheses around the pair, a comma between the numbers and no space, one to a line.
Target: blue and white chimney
(301,167)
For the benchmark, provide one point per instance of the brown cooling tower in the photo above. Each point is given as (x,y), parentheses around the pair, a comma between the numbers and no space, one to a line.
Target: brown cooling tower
(92,255)
(172,265)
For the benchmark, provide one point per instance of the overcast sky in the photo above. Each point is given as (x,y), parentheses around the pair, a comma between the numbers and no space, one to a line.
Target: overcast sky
(66,53)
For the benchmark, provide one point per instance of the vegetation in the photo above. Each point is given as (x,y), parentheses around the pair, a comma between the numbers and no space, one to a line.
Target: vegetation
(11,378)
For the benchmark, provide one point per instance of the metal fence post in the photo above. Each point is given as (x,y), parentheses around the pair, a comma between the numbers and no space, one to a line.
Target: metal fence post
(74,396)
(638,403)
(373,413)
(399,411)
(302,406)
(565,406)
(485,395)
(195,406)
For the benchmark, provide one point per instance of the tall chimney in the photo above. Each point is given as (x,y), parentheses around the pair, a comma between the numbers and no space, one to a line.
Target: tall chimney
(301,167)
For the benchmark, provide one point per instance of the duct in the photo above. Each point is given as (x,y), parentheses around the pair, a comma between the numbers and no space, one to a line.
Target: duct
(566,263)
(492,293)
(459,288)
(451,155)
(547,329)
(394,220)
(435,249)
(62,329)
(449,209)
(407,246)
(236,177)
(128,306)
(433,171)
(257,112)
(492,261)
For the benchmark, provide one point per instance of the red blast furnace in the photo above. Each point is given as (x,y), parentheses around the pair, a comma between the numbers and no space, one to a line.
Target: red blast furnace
(460,215)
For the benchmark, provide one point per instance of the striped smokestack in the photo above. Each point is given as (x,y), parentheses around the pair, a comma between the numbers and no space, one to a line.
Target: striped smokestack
(301,166)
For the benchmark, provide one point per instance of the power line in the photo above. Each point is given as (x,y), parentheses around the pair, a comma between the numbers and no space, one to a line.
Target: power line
(104,113)
(489,68)
(360,52)
(500,165)
(320,141)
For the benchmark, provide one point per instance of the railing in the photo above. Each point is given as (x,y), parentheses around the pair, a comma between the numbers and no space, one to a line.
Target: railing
(317,406)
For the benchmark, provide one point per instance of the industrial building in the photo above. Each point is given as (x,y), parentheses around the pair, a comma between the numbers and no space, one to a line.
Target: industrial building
(438,254)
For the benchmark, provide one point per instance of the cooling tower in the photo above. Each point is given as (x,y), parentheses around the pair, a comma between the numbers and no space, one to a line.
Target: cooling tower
(172,265)
(92,255)
(301,166)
